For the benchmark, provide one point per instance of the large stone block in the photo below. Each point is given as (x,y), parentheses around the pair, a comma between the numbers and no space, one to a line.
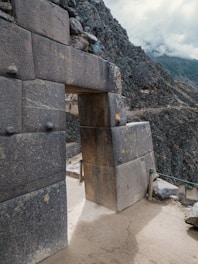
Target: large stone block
(92,72)
(43,103)
(102,110)
(50,59)
(116,145)
(131,183)
(124,141)
(44,18)
(100,185)
(30,162)
(33,226)
(117,104)
(96,146)
(144,138)
(15,51)
(10,105)
(132,141)
(80,71)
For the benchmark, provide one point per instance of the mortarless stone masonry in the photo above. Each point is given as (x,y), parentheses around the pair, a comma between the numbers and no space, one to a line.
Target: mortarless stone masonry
(37,66)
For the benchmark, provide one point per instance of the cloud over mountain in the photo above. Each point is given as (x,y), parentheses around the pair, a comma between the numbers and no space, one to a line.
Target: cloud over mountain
(167,27)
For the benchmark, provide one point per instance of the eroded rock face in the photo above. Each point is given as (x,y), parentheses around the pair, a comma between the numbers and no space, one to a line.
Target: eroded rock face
(192,216)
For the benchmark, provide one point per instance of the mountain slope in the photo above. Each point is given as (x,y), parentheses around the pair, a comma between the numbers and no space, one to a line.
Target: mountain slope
(184,70)
(171,107)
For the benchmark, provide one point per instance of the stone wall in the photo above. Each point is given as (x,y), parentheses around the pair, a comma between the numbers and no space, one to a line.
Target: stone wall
(117,154)
(33,211)
(37,66)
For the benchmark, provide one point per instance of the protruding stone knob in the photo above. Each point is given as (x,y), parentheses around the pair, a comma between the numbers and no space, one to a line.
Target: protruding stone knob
(12,69)
(50,125)
(120,160)
(10,130)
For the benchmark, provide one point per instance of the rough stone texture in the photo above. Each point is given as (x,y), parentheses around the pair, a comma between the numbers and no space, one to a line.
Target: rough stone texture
(75,26)
(44,18)
(6,6)
(72,128)
(34,225)
(101,110)
(77,69)
(100,185)
(192,216)
(164,189)
(30,161)
(43,102)
(131,183)
(16,49)
(10,104)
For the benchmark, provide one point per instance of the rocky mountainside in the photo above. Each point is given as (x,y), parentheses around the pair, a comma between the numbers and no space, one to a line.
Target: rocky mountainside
(184,70)
(152,94)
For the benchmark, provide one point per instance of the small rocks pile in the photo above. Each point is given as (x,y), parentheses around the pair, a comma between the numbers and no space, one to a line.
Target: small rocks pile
(81,39)
(6,6)
(6,10)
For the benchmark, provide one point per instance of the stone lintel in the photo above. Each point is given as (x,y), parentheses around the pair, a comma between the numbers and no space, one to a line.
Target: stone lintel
(60,63)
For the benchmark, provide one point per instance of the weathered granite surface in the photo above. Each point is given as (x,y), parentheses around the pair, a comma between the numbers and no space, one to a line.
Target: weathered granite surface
(10,105)
(30,161)
(44,18)
(43,103)
(16,50)
(33,226)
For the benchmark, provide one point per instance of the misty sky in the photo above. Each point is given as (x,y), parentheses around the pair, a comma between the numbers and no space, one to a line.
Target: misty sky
(168,26)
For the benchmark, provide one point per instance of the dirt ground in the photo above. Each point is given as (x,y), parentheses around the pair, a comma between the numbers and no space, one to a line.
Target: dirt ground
(146,233)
